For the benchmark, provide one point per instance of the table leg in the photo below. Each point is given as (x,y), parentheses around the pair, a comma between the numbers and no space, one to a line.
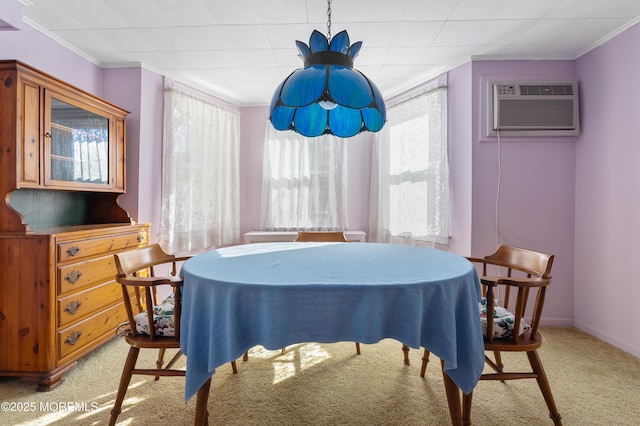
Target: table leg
(202,398)
(453,398)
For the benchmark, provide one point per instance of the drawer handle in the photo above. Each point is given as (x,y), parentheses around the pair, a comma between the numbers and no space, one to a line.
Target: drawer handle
(140,238)
(73,307)
(72,339)
(73,276)
(73,250)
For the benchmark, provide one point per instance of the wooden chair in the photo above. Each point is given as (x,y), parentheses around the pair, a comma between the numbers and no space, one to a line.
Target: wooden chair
(527,273)
(322,236)
(136,272)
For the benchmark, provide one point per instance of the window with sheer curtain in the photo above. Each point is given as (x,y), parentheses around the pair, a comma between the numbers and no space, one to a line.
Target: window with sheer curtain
(200,177)
(410,179)
(304,183)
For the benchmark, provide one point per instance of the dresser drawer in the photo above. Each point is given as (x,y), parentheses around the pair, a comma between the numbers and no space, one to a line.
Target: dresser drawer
(79,249)
(77,276)
(81,304)
(77,337)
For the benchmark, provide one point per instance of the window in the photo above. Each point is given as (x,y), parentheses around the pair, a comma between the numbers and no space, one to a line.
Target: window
(304,182)
(410,183)
(200,185)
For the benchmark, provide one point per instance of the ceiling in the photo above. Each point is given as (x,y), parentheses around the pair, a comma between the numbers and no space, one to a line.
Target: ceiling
(240,50)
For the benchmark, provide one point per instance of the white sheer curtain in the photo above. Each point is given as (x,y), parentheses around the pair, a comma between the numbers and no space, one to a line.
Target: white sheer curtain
(410,175)
(304,183)
(200,184)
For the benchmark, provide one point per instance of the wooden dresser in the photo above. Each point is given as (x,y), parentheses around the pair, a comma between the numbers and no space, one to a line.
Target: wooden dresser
(62,169)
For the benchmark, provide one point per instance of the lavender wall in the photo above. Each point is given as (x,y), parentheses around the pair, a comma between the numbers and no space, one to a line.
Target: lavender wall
(536,205)
(33,48)
(141,93)
(253,123)
(608,193)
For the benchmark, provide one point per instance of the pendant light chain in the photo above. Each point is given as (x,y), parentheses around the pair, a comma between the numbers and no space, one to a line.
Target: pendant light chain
(329,20)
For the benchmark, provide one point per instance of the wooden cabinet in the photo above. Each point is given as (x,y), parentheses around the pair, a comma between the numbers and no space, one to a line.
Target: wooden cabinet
(58,297)
(62,169)
(64,138)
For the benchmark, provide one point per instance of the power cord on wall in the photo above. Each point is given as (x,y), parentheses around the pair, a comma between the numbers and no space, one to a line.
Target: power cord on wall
(498,189)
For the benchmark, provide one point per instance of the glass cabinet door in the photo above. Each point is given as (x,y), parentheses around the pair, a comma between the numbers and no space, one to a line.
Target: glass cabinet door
(76,143)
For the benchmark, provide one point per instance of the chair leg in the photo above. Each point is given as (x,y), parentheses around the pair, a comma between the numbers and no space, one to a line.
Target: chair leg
(245,357)
(357,348)
(405,350)
(466,409)
(543,383)
(129,365)
(173,361)
(453,397)
(282,351)
(160,361)
(425,361)
(234,367)
(498,357)
(202,399)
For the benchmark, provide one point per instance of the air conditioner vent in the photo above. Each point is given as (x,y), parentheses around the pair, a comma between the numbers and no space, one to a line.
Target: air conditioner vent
(528,109)
(547,89)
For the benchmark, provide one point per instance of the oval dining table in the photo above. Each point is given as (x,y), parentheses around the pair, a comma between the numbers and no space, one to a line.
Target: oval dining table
(279,294)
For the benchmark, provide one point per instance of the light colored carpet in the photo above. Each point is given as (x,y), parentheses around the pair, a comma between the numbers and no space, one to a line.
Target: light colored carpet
(312,384)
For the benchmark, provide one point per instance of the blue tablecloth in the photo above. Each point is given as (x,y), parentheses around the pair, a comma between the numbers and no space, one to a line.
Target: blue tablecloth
(278,294)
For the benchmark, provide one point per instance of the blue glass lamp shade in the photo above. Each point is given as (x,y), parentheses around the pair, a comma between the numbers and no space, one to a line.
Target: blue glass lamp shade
(328,96)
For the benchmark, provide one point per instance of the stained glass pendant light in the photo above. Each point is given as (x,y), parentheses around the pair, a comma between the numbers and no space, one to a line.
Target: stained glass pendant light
(328,96)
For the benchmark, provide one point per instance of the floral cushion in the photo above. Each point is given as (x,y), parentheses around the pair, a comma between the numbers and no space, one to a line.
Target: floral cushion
(503,321)
(163,319)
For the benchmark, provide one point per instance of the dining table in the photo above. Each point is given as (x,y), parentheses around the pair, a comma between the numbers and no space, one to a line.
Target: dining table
(284,293)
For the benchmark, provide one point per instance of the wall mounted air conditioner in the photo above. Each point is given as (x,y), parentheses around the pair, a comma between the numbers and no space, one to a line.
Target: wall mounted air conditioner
(533,109)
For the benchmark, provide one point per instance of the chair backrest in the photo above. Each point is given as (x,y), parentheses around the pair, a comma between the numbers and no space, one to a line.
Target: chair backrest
(525,271)
(531,262)
(321,236)
(136,272)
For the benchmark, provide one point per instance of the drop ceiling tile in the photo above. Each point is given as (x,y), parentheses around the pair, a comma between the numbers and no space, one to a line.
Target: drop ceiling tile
(478,10)
(341,11)
(404,55)
(86,41)
(527,9)
(372,34)
(417,33)
(428,10)
(233,12)
(139,13)
(504,31)
(50,17)
(379,10)
(163,39)
(445,54)
(549,31)
(287,58)
(570,9)
(205,37)
(92,14)
(186,13)
(461,33)
(373,56)
(124,40)
(282,36)
(281,11)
